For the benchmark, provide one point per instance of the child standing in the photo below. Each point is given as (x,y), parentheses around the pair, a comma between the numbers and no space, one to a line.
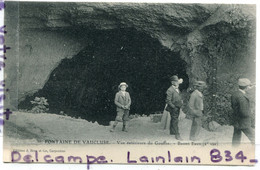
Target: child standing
(123,102)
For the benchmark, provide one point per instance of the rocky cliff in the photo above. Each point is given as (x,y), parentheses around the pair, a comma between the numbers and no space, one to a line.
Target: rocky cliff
(214,43)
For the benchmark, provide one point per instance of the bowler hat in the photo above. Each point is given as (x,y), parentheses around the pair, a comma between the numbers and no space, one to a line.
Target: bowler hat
(244,82)
(200,84)
(174,78)
(122,84)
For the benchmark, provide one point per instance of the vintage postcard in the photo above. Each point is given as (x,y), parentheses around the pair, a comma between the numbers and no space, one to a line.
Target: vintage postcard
(129,83)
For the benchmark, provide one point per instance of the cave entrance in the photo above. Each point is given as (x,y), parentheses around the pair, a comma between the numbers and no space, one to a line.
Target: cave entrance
(85,85)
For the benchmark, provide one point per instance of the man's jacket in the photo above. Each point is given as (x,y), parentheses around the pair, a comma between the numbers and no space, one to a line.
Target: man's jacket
(173,100)
(241,110)
(196,103)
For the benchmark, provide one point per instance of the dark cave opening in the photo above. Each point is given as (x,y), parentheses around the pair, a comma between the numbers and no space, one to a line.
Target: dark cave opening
(85,85)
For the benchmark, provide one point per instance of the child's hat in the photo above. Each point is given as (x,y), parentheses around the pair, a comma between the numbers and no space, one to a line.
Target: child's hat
(122,84)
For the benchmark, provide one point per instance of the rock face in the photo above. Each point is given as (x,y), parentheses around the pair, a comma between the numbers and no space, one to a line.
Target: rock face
(214,43)
(88,82)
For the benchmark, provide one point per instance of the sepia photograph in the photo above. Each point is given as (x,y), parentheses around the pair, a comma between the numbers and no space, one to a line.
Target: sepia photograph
(113,75)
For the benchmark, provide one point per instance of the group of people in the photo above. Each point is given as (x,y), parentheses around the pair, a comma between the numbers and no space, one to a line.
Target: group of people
(174,103)
(239,101)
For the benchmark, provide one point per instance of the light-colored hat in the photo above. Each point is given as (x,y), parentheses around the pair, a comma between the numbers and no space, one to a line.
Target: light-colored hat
(244,82)
(200,84)
(122,84)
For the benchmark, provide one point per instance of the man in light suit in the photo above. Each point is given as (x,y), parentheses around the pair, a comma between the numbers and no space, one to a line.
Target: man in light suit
(196,108)
(174,104)
(241,113)
(122,102)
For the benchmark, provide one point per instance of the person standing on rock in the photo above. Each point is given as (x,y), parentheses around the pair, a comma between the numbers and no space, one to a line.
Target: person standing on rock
(196,109)
(241,113)
(174,104)
(122,102)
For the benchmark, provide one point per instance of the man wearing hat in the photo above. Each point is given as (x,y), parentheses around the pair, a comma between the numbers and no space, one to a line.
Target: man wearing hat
(241,113)
(122,102)
(196,109)
(174,104)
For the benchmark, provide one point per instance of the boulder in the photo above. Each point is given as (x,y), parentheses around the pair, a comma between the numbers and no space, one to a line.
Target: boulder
(213,126)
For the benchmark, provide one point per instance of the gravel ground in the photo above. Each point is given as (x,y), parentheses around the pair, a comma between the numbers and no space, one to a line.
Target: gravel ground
(29,128)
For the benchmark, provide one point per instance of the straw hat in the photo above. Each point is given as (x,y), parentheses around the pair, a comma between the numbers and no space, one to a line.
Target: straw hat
(244,82)
(123,84)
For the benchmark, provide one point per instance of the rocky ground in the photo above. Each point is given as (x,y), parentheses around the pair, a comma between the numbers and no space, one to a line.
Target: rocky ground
(29,128)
